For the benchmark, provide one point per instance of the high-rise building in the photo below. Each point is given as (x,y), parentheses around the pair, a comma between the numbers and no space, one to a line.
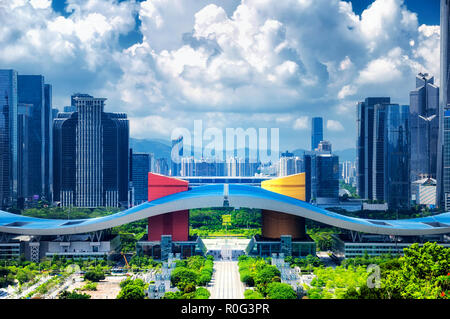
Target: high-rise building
(322,176)
(364,145)
(176,155)
(348,172)
(316,132)
(8,138)
(140,167)
(424,124)
(286,164)
(161,166)
(23,123)
(187,166)
(324,147)
(443,171)
(232,167)
(96,171)
(446,161)
(391,155)
(32,90)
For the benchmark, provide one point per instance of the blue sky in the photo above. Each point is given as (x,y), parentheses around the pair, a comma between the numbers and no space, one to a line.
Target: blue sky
(229,63)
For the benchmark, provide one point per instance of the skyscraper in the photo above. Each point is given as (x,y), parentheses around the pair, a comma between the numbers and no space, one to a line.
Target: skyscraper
(316,132)
(443,166)
(8,137)
(96,171)
(176,154)
(23,123)
(32,90)
(322,177)
(364,145)
(140,167)
(391,155)
(424,124)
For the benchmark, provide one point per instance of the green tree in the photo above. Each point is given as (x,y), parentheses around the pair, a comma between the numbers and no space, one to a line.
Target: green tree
(278,290)
(94,275)
(182,276)
(131,291)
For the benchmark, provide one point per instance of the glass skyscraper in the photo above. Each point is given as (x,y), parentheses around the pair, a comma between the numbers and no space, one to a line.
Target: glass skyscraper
(176,155)
(322,176)
(8,137)
(424,124)
(140,167)
(443,173)
(365,144)
(316,132)
(32,90)
(391,157)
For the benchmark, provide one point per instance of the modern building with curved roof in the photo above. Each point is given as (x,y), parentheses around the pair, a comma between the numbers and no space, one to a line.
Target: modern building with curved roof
(283,213)
(234,196)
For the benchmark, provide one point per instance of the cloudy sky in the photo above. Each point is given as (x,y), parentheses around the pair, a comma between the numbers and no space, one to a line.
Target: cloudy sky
(230,63)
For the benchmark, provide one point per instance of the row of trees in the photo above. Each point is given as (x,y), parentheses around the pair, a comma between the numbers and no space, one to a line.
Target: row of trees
(264,279)
(422,273)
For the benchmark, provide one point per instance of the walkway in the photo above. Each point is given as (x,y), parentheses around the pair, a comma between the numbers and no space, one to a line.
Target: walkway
(225,283)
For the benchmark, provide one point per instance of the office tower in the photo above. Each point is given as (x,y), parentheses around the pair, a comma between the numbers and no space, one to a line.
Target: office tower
(287,164)
(424,124)
(446,162)
(348,172)
(316,132)
(8,138)
(232,167)
(324,147)
(176,154)
(299,165)
(322,177)
(391,155)
(33,90)
(140,167)
(220,168)
(187,166)
(23,123)
(48,143)
(443,170)
(96,171)
(364,145)
(161,166)
(64,158)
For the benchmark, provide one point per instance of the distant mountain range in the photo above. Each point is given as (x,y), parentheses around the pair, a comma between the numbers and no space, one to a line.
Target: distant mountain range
(162,148)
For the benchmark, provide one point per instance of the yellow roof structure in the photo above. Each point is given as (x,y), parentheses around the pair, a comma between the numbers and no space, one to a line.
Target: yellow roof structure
(292,185)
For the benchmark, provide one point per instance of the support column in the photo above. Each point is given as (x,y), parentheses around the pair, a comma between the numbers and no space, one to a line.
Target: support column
(276,224)
(175,223)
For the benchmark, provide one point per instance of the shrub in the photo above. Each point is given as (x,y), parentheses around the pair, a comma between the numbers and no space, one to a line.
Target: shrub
(94,275)
(252,294)
(278,290)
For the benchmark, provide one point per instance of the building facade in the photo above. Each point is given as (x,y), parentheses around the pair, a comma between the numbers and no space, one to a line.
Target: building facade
(424,123)
(316,132)
(8,137)
(391,155)
(140,167)
(96,171)
(442,193)
(364,145)
(33,90)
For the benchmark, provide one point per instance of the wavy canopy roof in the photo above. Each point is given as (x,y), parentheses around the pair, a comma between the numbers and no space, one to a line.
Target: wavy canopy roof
(214,196)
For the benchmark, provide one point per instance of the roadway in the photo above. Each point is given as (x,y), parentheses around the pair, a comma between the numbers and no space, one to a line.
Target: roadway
(226,283)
